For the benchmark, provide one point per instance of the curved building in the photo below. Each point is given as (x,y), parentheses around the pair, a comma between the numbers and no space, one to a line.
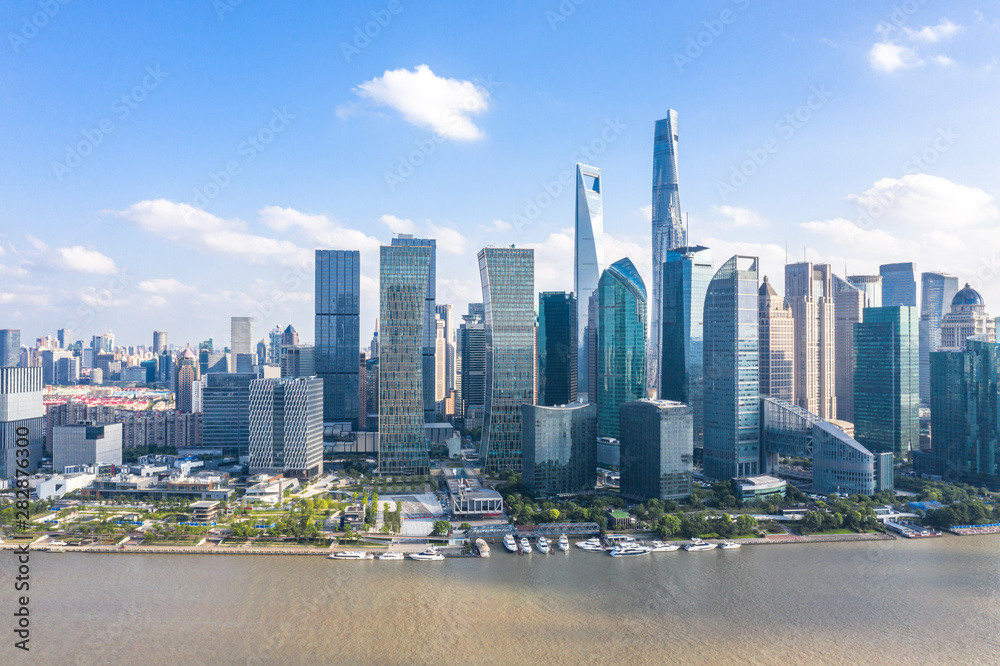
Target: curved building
(560,448)
(967,318)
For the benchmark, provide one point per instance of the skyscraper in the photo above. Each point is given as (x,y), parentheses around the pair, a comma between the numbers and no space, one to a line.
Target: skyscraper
(936,292)
(686,274)
(447,313)
(22,419)
(899,284)
(226,412)
(404,271)
(668,229)
(440,361)
(65,337)
(849,304)
(557,343)
(732,404)
(621,343)
(10,347)
(871,285)
(338,333)
(508,278)
(657,450)
(188,372)
(887,380)
(429,327)
(588,258)
(968,317)
(777,344)
(560,448)
(159,342)
(472,349)
(809,294)
(241,336)
(286,426)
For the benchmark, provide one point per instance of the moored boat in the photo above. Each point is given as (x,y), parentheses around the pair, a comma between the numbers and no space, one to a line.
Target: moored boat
(391,555)
(525,546)
(563,543)
(432,554)
(543,545)
(352,555)
(664,547)
(509,543)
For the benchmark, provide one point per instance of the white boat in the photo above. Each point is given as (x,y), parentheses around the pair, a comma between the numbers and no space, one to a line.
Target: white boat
(483,548)
(432,554)
(563,543)
(509,543)
(730,545)
(630,550)
(592,545)
(664,547)
(543,545)
(391,555)
(58,543)
(698,544)
(352,555)
(525,546)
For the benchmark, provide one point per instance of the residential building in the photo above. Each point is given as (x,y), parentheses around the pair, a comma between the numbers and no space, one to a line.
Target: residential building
(936,292)
(557,346)
(588,258)
(86,444)
(447,314)
(657,449)
(560,448)
(809,294)
(777,344)
(188,373)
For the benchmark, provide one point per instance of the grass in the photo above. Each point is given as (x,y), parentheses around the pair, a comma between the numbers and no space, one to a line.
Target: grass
(842,530)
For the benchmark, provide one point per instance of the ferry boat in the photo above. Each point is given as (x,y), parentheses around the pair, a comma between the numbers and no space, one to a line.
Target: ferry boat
(592,545)
(630,550)
(352,555)
(543,545)
(664,547)
(391,555)
(730,545)
(563,543)
(509,543)
(525,546)
(698,544)
(432,554)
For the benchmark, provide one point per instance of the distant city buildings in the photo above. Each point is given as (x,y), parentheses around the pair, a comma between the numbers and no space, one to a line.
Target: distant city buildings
(657,450)
(159,342)
(10,347)
(967,318)
(241,335)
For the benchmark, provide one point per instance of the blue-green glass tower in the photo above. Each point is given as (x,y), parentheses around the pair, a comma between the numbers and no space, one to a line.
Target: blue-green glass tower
(686,274)
(731,360)
(887,380)
(557,346)
(338,333)
(403,274)
(508,278)
(430,327)
(621,343)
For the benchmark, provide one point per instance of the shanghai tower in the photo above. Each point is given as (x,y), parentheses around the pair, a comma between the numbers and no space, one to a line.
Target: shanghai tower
(668,230)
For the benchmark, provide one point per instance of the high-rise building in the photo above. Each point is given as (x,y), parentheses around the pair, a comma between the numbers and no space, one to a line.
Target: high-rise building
(887,380)
(657,450)
(472,350)
(967,318)
(188,372)
(560,448)
(65,337)
(226,412)
(588,258)
(298,361)
(86,444)
(592,311)
(965,421)
(777,344)
(159,342)
(68,371)
(849,304)
(50,364)
(621,343)
(668,232)
(404,271)
(10,347)
(508,278)
(686,273)
(440,362)
(429,327)
(732,405)
(286,426)
(871,285)
(809,294)
(557,344)
(22,419)
(338,333)
(272,347)
(447,313)
(899,284)
(290,336)
(370,421)
(936,292)
(241,335)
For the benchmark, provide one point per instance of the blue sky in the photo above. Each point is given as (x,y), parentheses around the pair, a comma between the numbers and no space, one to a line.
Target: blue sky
(168,165)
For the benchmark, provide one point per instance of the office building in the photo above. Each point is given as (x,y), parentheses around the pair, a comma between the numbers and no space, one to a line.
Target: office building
(404,271)
(22,419)
(159,342)
(188,373)
(809,294)
(10,347)
(299,361)
(68,371)
(338,333)
(887,381)
(871,285)
(777,344)
(65,337)
(269,351)
(899,284)
(86,444)
(440,364)
(588,259)
(560,449)
(50,363)
(849,304)
(621,343)
(241,336)
(226,412)
(668,234)
(732,409)
(657,450)
(508,278)
(968,317)
(447,314)
(557,345)
(472,351)
(286,426)
(936,292)
(686,273)
(429,330)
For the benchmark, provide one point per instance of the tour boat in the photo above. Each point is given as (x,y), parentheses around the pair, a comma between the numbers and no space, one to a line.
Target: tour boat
(563,543)
(543,545)
(432,554)
(592,545)
(630,550)
(698,544)
(730,545)
(391,555)
(525,546)
(352,555)
(664,547)
(509,543)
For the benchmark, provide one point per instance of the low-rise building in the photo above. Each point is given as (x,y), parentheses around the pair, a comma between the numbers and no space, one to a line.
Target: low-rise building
(767,488)
(204,511)
(468,497)
(58,485)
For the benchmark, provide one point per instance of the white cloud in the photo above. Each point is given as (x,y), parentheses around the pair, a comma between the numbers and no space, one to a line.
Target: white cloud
(318,229)
(740,217)
(943,60)
(164,286)
(398,225)
(448,240)
(647,212)
(925,201)
(888,57)
(82,260)
(933,33)
(429,101)
(501,225)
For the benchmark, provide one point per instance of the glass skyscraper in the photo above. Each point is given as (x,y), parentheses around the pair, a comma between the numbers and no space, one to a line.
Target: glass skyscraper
(886,381)
(472,353)
(936,292)
(404,270)
(588,258)
(899,284)
(226,412)
(849,303)
(22,419)
(557,340)
(657,450)
(732,403)
(686,274)
(560,449)
(338,333)
(240,336)
(430,328)
(10,347)
(621,343)
(508,278)
(668,231)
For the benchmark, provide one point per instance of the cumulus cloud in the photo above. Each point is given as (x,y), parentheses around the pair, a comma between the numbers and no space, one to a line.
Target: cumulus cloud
(889,57)
(501,225)
(318,229)
(740,217)
(164,286)
(398,225)
(933,33)
(925,201)
(448,240)
(426,100)
(80,259)
(647,212)
(943,60)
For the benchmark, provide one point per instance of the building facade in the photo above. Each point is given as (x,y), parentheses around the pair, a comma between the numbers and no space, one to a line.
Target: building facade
(226,412)
(472,351)
(560,449)
(159,342)
(10,347)
(241,335)
(899,284)
(777,344)
(429,330)
(286,426)
(22,419)
(849,305)
(809,294)
(968,317)
(86,444)
(588,258)
(936,292)
(338,333)
(656,455)
(557,345)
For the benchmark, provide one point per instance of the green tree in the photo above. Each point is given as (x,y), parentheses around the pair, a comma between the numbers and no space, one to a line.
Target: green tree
(441,528)
(667,526)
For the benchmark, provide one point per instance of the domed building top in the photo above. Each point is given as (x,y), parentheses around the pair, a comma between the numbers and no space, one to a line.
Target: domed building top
(967,296)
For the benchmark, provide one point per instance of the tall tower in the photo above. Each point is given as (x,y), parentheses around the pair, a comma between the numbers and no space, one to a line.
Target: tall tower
(188,372)
(557,339)
(732,404)
(508,277)
(967,318)
(10,347)
(849,304)
(447,313)
(899,284)
(241,335)
(777,344)
(809,293)
(429,327)
(159,342)
(936,292)
(588,258)
(338,333)
(668,229)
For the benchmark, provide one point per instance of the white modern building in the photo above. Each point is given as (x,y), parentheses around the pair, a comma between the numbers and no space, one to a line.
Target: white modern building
(86,444)
(22,419)
(588,259)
